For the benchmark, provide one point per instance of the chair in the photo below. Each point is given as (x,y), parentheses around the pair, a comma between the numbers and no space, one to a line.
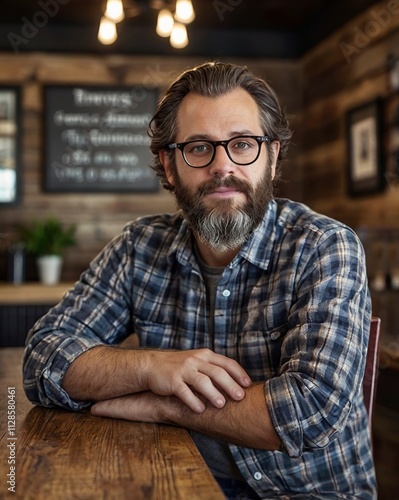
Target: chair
(370,373)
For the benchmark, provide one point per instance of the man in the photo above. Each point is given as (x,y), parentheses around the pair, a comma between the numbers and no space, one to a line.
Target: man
(252,312)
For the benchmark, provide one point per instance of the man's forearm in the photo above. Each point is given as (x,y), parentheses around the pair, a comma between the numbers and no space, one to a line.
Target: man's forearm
(245,423)
(110,372)
(106,372)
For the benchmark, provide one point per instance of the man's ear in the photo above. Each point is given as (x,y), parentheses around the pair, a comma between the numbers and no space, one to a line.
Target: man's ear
(276,150)
(166,162)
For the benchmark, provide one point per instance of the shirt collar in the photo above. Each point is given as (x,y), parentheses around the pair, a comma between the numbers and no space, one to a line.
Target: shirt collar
(258,249)
(183,245)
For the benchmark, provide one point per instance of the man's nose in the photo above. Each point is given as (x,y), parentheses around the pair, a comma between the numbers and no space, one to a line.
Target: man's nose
(221,165)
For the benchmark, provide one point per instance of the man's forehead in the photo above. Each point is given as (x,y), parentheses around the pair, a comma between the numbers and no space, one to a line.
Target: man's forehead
(236,107)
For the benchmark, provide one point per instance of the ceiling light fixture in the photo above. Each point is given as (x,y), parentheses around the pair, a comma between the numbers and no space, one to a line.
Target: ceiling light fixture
(169,24)
(107,33)
(114,11)
(184,11)
(165,23)
(178,37)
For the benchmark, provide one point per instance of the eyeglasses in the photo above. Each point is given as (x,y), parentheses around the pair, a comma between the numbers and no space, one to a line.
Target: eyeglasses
(242,150)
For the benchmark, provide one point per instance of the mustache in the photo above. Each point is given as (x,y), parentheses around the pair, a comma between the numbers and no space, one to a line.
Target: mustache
(226,182)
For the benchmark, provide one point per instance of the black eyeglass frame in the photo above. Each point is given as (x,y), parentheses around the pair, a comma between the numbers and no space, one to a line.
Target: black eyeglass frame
(260,139)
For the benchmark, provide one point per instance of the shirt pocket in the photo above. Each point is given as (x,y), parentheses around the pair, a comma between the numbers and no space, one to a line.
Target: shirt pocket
(152,334)
(161,336)
(259,352)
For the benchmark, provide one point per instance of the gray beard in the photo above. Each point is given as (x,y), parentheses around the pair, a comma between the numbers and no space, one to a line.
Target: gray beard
(222,231)
(224,227)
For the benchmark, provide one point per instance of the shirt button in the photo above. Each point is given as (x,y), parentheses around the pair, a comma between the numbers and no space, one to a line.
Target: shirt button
(226,293)
(275,335)
(257,476)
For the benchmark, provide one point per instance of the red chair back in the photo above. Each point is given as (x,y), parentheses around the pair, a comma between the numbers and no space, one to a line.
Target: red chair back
(371,371)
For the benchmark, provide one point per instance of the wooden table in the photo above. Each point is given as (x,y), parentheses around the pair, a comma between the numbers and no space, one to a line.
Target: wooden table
(74,455)
(32,293)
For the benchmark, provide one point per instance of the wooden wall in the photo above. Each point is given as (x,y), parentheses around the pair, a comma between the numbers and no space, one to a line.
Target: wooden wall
(348,69)
(99,217)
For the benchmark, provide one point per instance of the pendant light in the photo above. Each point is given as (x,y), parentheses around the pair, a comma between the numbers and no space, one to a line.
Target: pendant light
(184,11)
(164,23)
(114,11)
(107,31)
(178,37)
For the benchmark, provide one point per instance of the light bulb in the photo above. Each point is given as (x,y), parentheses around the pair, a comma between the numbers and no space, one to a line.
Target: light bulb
(164,23)
(184,11)
(178,37)
(114,10)
(107,31)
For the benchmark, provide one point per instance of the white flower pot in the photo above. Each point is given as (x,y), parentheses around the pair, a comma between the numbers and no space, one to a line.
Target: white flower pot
(49,267)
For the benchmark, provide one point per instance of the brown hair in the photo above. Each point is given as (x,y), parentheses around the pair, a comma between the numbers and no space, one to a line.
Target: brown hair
(214,79)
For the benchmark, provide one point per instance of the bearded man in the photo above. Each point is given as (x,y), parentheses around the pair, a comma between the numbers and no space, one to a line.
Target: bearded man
(252,312)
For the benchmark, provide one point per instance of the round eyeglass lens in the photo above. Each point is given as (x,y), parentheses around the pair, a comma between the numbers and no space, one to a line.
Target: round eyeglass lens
(243,150)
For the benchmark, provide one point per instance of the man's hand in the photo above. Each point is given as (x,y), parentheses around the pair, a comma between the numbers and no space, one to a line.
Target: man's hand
(185,373)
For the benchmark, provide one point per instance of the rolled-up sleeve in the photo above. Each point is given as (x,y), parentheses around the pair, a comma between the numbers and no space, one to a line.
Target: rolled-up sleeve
(95,312)
(323,353)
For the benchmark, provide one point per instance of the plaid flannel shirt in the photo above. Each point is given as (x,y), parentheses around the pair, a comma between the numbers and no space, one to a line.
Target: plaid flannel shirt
(292,308)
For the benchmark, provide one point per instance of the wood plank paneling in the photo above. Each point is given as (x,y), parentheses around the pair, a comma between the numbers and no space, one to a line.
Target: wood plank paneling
(333,85)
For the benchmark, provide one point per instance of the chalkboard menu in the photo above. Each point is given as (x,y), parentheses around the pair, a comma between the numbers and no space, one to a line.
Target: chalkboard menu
(96,139)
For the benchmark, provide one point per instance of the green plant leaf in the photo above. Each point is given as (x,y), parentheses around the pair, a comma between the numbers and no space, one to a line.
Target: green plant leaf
(47,237)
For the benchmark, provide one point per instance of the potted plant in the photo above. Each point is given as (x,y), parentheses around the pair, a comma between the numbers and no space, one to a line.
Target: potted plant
(47,239)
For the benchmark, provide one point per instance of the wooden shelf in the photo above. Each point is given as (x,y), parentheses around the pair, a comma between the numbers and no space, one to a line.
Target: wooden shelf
(32,293)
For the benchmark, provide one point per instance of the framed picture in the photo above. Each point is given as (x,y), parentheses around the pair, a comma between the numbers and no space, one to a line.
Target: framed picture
(364,149)
(393,67)
(96,139)
(9,145)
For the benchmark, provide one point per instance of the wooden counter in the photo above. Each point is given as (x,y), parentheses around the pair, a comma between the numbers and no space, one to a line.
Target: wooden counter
(32,293)
(66,455)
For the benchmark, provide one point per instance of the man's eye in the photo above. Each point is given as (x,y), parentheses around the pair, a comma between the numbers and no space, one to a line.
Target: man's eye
(243,145)
(198,149)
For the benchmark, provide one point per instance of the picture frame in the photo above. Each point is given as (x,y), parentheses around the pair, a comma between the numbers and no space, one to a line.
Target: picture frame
(393,69)
(10,132)
(365,159)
